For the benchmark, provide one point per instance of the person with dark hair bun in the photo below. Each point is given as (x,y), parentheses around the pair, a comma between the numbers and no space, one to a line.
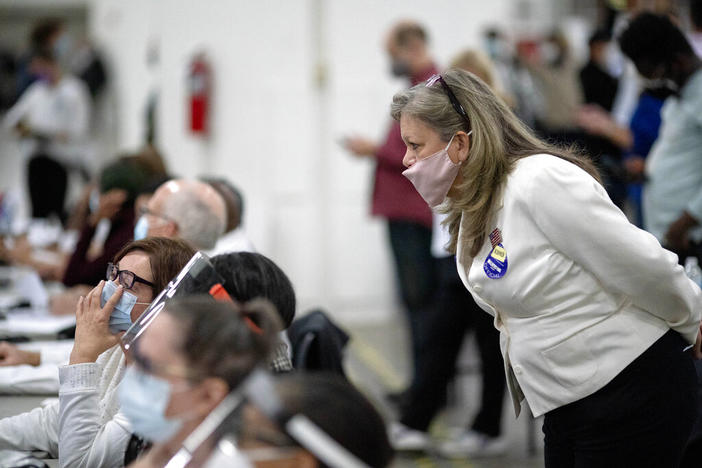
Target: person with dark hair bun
(250,275)
(187,361)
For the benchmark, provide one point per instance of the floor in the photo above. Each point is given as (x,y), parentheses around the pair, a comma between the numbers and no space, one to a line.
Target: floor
(377,362)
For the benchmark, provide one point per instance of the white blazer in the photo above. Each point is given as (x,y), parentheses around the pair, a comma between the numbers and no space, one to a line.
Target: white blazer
(583,292)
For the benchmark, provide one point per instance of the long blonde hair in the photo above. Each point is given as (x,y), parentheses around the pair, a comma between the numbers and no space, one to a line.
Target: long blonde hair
(498,141)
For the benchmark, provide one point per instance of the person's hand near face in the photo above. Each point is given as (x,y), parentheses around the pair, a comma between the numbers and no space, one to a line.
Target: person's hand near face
(360,146)
(110,204)
(93,336)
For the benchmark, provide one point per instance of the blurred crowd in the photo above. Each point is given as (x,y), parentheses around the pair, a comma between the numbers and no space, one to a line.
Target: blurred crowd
(134,228)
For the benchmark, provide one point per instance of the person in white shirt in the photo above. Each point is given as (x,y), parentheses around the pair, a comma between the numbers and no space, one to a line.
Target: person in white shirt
(52,118)
(85,428)
(594,315)
(234,238)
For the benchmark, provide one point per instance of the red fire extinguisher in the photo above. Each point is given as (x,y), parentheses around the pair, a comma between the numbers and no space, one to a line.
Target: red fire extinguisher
(199,90)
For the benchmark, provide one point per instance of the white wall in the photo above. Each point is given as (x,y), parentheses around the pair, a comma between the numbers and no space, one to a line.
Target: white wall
(291,77)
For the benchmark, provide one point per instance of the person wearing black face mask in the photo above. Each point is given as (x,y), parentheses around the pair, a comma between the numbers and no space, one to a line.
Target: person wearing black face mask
(394,198)
(673,194)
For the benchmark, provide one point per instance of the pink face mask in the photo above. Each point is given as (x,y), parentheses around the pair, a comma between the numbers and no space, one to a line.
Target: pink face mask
(433,176)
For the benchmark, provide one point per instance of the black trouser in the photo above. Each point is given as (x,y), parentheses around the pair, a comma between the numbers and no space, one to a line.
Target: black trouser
(642,418)
(47,180)
(416,273)
(454,313)
(692,458)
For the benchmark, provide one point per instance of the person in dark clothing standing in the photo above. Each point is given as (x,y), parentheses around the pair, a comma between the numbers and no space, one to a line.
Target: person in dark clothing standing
(409,218)
(599,87)
(600,90)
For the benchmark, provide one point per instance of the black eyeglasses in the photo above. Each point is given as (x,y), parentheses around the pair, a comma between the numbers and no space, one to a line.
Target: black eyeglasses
(126,277)
(452,97)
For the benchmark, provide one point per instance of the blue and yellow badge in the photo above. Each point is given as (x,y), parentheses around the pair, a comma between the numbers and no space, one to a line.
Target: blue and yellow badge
(495,265)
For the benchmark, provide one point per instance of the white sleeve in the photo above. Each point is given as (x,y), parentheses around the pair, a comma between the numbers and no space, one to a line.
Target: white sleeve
(33,430)
(57,353)
(25,379)
(18,111)
(77,125)
(578,218)
(83,441)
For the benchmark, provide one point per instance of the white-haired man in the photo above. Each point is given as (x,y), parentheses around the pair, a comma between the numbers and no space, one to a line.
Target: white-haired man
(187,209)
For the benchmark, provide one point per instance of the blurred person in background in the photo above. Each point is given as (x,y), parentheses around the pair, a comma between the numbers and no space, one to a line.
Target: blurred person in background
(695,35)
(84,428)
(454,313)
(599,86)
(409,219)
(45,36)
(644,127)
(187,209)
(110,223)
(52,118)
(519,87)
(234,238)
(600,132)
(586,340)
(556,74)
(673,192)
(672,198)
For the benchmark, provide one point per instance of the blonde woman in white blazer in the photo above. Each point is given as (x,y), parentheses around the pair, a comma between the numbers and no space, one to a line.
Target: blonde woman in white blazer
(594,315)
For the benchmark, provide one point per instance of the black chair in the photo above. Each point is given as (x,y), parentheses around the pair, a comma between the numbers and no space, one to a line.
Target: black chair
(317,343)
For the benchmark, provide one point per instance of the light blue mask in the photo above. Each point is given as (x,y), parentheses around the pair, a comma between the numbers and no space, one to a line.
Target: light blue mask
(141,229)
(121,316)
(143,399)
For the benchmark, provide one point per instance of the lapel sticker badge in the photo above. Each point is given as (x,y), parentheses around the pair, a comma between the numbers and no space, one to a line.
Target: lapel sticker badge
(495,265)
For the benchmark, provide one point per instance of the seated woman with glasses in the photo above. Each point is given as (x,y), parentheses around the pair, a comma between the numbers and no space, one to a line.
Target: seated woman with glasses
(85,429)
(186,361)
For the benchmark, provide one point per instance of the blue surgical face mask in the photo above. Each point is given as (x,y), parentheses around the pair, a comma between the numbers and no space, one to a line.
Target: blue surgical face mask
(141,229)
(94,202)
(143,399)
(121,316)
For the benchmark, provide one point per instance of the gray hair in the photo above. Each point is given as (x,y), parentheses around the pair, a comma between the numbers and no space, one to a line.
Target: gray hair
(197,223)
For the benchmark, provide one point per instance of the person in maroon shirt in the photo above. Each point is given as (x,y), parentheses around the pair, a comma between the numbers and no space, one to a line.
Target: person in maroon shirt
(394,198)
(120,182)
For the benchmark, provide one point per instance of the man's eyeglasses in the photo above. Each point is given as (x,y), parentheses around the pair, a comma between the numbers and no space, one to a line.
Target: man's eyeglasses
(126,277)
(145,211)
(452,97)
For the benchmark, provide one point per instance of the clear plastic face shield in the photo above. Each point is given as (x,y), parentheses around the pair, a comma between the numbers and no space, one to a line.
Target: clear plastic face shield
(198,276)
(214,434)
